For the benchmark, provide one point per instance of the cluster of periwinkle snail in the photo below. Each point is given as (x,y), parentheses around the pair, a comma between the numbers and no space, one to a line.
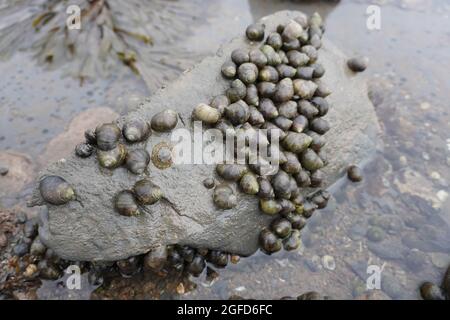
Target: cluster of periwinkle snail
(112,152)
(276,87)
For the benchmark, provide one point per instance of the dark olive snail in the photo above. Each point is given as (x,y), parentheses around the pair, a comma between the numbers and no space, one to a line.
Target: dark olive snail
(354,173)
(56,190)
(146,192)
(156,258)
(125,204)
(112,158)
(107,136)
(206,114)
(255,32)
(269,242)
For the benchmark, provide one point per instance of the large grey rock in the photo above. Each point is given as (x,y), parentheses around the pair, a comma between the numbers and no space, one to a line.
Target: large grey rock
(90,229)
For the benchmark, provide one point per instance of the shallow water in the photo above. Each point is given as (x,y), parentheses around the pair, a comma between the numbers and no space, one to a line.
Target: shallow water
(398,218)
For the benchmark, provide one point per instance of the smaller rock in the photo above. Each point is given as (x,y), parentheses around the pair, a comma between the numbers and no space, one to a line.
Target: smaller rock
(328,262)
(20,249)
(3,170)
(358,64)
(375,234)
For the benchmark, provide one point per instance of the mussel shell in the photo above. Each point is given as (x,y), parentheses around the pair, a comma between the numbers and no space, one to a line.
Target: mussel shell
(196,266)
(238,112)
(125,204)
(296,142)
(136,130)
(164,121)
(146,192)
(240,56)
(56,190)
(292,242)
(281,227)
(269,206)
(258,58)
(224,197)
(84,150)
(229,69)
(310,160)
(269,242)
(137,160)
(255,32)
(112,159)
(206,114)
(107,136)
(248,73)
(249,183)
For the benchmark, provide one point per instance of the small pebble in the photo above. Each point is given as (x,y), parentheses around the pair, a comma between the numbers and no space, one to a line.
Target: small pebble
(442,195)
(3,170)
(235,259)
(425,106)
(358,64)
(354,173)
(180,288)
(328,262)
(209,183)
(20,249)
(435,175)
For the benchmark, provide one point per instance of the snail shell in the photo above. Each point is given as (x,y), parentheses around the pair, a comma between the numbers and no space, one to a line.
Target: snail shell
(296,142)
(229,69)
(249,183)
(275,41)
(125,204)
(206,114)
(147,192)
(112,158)
(164,121)
(238,112)
(310,160)
(196,266)
(240,56)
(269,242)
(136,130)
(156,259)
(56,190)
(137,160)
(269,206)
(248,73)
(231,172)
(107,136)
(84,150)
(255,32)
(162,155)
(224,197)
(293,241)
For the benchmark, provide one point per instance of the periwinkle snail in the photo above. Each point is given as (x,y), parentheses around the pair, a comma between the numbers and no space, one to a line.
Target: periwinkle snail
(146,192)
(56,190)
(125,204)
(107,136)
(136,130)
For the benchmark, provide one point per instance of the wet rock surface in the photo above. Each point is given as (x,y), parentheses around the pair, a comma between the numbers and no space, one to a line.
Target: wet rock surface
(90,229)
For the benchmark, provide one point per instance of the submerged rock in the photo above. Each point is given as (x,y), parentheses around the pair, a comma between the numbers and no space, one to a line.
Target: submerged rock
(90,229)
